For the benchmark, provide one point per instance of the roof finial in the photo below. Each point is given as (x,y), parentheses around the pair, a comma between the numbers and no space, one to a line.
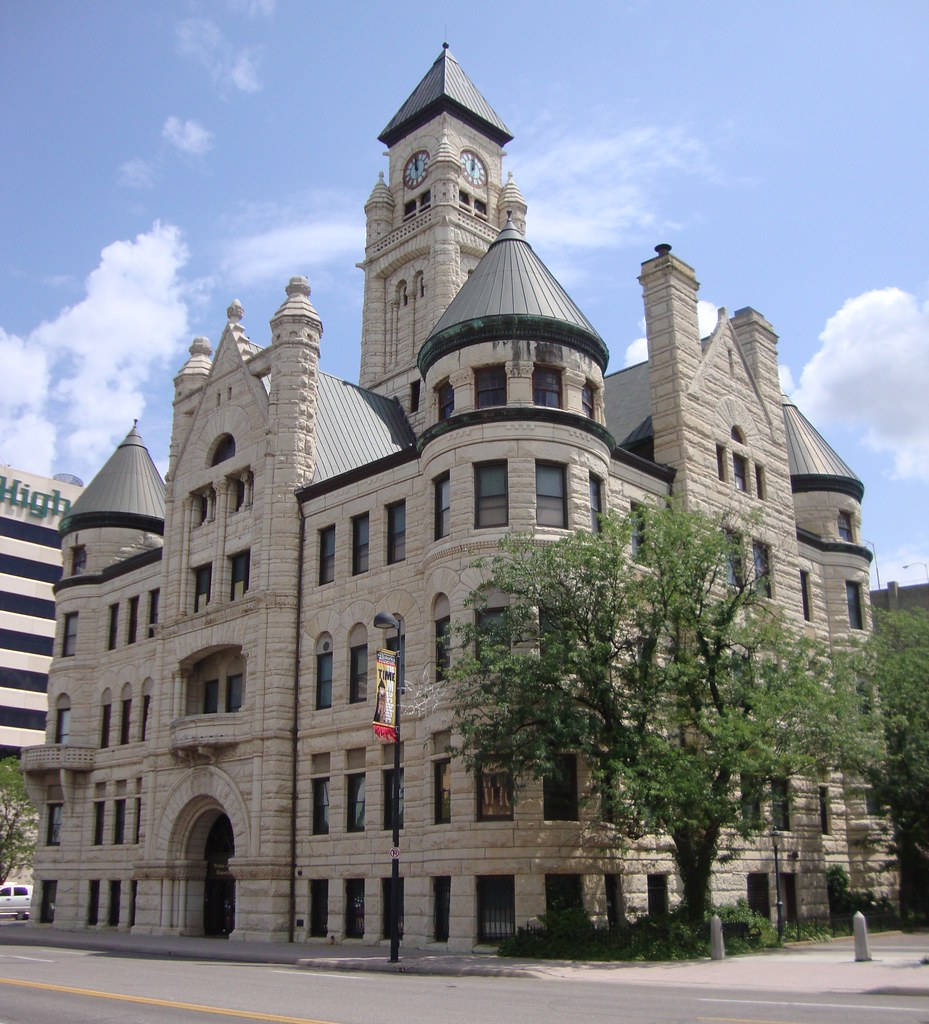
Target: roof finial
(445,46)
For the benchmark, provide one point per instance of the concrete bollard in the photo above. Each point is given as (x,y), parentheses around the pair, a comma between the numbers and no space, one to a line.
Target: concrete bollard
(862,946)
(717,947)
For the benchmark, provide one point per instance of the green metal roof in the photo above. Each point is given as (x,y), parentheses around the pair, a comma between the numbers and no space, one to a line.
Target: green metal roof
(445,87)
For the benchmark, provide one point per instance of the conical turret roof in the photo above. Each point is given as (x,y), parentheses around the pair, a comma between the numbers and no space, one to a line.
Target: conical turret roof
(511,294)
(445,87)
(128,492)
(813,463)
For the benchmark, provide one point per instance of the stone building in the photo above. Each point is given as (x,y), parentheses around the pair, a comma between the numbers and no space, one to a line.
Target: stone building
(210,765)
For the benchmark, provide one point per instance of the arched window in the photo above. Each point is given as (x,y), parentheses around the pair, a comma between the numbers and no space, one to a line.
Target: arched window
(737,435)
(442,625)
(358,664)
(125,714)
(216,683)
(63,719)
(106,717)
(146,709)
(324,671)
(224,449)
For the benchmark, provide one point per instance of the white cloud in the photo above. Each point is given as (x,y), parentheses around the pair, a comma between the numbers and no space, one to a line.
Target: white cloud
(253,8)
(871,374)
(84,371)
(785,378)
(599,189)
(187,136)
(202,40)
(136,173)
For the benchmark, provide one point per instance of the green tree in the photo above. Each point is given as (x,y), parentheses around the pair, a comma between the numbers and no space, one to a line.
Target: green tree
(900,675)
(17,820)
(652,650)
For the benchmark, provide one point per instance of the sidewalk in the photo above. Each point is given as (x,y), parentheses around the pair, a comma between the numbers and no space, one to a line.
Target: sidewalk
(895,968)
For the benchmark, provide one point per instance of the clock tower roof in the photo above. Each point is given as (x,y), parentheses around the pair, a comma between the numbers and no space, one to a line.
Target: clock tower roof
(445,87)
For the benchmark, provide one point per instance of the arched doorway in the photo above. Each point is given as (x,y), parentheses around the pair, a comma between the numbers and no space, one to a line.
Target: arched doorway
(219,886)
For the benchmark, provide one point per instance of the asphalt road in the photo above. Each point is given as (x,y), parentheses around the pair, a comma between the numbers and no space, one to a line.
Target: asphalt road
(43,985)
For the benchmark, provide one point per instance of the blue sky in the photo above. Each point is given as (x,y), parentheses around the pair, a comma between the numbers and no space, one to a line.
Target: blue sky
(163,159)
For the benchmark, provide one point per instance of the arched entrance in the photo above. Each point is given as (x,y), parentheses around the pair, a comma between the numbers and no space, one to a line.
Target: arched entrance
(219,885)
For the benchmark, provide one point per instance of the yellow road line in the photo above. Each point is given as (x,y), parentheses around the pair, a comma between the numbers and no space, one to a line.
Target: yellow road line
(170,1003)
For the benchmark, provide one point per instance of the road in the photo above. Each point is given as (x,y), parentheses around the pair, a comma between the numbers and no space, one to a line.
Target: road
(43,985)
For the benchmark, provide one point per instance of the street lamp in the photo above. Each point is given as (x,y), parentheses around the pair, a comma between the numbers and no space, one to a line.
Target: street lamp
(777,891)
(384,620)
(925,565)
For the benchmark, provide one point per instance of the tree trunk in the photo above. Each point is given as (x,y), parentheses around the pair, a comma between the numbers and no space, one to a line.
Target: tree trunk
(695,856)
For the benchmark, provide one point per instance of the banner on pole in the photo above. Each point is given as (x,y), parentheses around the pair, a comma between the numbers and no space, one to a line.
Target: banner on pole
(385,704)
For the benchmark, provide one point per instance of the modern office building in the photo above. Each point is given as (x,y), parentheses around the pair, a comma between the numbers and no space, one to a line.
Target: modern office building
(210,764)
(31,508)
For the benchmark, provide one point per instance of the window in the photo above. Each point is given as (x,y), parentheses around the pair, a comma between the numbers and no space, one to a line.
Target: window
(63,721)
(735,572)
(546,387)
(146,710)
(761,557)
(49,896)
(119,822)
(425,200)
(737,435)
(137,838)
(563,892)
(442,790)
(115,894)
(327,555)
(414,395)
(587,400)
(759,482)
(494,795)
(112,632)
(443,491)
(355,793)
(93,901)
(758,892)
(78,559)
(396,532)
(239,491)
(491,507)
(203,579)
(105,716)
(443,646)
(853,597)
(805,595)
(153,601)
(386,889)
(358,673)
(637,537)
(409,209)
(490,386)
(824,810)
(53,825)
(132,630)
(125,719)
(441,904)
(872,805)
(739,472)
(133,899)
(595,487)
(721,462)
(445,394)
(496,907)
(319,907)
(359,544)
(99,815)
(551,505)
(780,805)
(657,888)
(239,566)
(69,635)
(845,527)
(388,798)
(211,696)
(480,207)
(320,807)
(354,908)
(324,674)
(559,791)
(234,692)
(750,799)
(225,449)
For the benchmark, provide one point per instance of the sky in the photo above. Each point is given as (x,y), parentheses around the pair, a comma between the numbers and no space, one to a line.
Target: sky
(161,160)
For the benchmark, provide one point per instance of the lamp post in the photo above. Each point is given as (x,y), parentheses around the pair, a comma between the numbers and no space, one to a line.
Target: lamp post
(925,565)
(384,620)
(777,891)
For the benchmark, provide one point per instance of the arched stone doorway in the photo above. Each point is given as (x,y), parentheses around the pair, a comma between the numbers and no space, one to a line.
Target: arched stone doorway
(219,883)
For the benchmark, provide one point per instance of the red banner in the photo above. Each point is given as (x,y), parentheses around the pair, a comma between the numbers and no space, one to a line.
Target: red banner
(385,705)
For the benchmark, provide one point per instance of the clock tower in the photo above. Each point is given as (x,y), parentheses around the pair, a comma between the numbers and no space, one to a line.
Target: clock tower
(430,222)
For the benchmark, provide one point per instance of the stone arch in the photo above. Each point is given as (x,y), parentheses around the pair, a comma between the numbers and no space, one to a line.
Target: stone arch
(202,789)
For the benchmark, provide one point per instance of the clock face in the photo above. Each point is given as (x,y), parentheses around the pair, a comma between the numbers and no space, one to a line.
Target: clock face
(473,168)
(415,169)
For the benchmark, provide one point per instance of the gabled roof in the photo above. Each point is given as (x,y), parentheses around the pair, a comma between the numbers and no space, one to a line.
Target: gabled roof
(813,463)
(445,87)
(128,492)
(356,427)
(511,293)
